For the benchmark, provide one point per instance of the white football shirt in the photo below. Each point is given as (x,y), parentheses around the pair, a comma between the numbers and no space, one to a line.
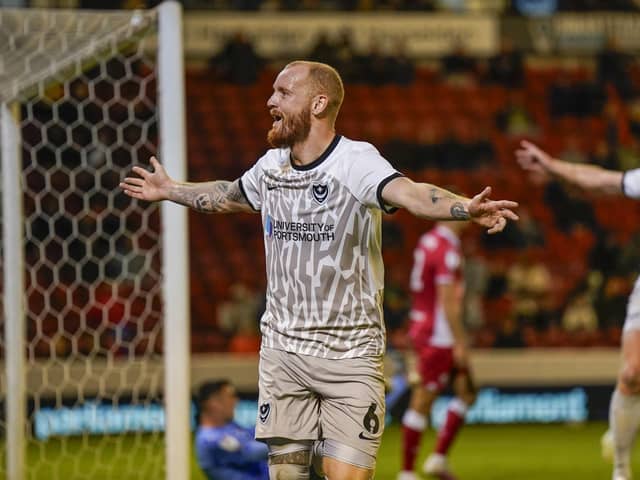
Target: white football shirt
(631,183)
(322,237)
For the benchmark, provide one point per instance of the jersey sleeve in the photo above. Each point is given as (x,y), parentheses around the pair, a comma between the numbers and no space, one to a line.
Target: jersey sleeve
(631,183)
(447,268)
(367,175)
(250,184)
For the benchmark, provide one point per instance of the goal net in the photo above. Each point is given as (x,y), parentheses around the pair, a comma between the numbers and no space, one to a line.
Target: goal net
(80,103)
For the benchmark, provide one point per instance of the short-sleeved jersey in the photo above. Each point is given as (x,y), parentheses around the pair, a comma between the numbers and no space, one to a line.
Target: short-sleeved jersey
(437,260)
(631,183)
(230,453)
(322,237)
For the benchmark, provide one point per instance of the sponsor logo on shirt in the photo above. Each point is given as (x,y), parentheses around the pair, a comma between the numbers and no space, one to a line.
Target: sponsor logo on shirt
(299,231)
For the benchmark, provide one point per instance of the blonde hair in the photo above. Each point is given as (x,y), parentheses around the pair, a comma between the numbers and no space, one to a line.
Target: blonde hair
(324,79)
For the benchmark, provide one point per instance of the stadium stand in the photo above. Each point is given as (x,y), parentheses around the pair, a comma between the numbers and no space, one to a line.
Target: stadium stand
(225,122)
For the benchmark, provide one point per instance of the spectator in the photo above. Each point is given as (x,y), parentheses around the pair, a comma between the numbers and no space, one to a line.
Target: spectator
(634,117)
(561,95)
(613,68)
(529,281)
(568,209)
(238,62)
(374,65)
(346,56)
(629,154)
(612,304)
(514,119)
(572,151)
(239,313)
(452,150)
(605,254)
(478,148)
(580,314)
(428,152)
(396,307)
(630,255)
(458,67)
(323,50)
(509,335)
(507,66)
(401,69)
(604,156)
(531,231)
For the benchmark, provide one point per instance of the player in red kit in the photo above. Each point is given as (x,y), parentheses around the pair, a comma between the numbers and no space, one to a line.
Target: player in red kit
(439,340)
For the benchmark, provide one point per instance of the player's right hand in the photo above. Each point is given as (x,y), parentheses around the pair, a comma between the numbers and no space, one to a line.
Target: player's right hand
(533,159)
(149,186)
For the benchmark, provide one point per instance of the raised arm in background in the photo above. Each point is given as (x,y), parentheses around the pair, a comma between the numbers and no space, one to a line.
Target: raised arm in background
(220,196)
(590,177)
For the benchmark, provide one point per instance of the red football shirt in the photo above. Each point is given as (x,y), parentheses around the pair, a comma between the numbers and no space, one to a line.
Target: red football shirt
(437,260)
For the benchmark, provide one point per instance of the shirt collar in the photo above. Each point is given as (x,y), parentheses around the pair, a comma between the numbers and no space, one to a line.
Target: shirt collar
(328,151)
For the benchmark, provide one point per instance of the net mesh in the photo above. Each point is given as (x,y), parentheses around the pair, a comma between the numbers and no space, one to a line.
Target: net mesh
(85,86)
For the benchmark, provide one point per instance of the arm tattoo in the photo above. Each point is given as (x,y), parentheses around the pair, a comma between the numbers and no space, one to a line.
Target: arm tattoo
(210,197)
(434,195)
(234,193)
(458,212)
(203,203)
(301,457)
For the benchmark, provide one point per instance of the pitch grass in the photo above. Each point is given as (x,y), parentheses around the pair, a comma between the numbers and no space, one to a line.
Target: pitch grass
(514,452)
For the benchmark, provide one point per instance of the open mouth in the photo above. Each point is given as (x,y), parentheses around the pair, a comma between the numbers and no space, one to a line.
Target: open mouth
(277,118)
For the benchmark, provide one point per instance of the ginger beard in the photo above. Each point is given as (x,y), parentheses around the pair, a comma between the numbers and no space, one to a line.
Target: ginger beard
(289,130)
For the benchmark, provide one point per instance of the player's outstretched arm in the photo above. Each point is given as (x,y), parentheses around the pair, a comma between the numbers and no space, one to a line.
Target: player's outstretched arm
(590,177)
(219,196)
(434,203)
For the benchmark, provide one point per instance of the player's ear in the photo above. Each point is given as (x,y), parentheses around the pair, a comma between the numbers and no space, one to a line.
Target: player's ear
(319,105)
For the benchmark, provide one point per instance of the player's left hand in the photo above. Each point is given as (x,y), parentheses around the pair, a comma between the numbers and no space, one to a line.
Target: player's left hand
(492,214)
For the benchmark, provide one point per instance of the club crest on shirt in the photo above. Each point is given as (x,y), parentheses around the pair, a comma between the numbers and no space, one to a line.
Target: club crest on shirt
(263,411)
(320,192)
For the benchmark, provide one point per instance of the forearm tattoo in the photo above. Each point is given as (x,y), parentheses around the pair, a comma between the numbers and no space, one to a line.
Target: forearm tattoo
(436,194)
(433,193)
(211,197)
(458,211)
(203,203)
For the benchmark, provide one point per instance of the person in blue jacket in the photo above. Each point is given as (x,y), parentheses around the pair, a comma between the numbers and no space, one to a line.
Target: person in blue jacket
(225,450)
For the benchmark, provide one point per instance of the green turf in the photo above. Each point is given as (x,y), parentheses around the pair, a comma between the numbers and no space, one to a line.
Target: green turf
(515,452)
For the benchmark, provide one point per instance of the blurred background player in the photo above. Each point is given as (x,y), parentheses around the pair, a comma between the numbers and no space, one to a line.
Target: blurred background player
(439,340)
(624,409)
(225,450)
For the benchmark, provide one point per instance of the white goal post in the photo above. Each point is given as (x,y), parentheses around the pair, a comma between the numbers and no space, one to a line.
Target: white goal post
(95,286)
